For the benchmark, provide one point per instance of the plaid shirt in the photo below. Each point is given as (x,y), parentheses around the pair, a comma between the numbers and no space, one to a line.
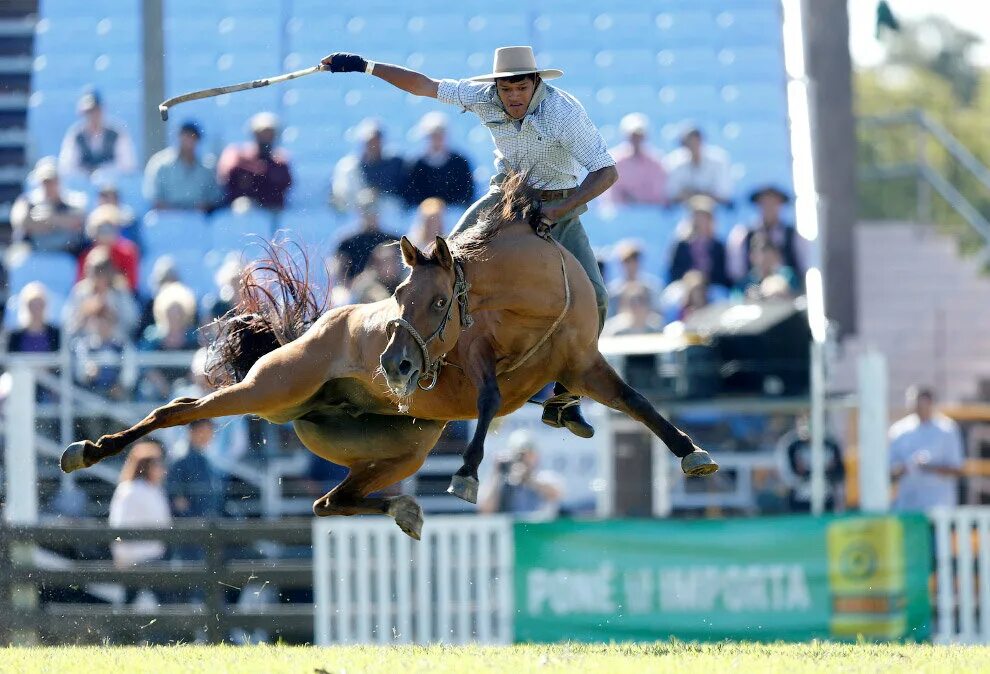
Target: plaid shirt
(555,139)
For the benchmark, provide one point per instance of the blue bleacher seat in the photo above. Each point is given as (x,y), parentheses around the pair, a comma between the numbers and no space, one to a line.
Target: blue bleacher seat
(624,66)
(315,34)
(686,65)
(753,101)
(572,61)
(749,27)
(631,30)
(487,29)
(687,101)
(375,31)
(652,226)
(231,230)
(685,28)
(163,231)
(190,262)
(750,64)
(561,30)
(310,184)
(56,270)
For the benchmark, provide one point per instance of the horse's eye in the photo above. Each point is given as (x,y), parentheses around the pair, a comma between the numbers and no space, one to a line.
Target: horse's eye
(440,303)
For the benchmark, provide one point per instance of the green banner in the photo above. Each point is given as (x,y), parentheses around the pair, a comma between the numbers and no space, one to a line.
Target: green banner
(790,578)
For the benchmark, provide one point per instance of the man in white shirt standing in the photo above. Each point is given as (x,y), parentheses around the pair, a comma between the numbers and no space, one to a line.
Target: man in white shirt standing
(698,168)
(926,456)
(540,131)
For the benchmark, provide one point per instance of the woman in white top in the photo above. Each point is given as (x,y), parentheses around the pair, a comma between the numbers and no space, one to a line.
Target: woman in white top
(139,501)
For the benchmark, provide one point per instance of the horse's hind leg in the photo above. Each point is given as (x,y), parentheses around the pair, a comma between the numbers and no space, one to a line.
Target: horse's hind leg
(601,383)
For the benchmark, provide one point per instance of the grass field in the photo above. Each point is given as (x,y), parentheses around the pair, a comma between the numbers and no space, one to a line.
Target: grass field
(610,659)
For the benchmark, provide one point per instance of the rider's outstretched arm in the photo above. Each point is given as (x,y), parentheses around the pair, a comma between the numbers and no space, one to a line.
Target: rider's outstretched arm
(415,83)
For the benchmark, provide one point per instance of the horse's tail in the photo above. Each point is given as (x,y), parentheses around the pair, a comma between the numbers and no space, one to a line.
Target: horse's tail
(277,304)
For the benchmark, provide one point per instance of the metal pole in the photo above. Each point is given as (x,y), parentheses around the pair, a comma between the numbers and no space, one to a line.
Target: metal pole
(660,460)
(817,427)
(19,450)
(874,462)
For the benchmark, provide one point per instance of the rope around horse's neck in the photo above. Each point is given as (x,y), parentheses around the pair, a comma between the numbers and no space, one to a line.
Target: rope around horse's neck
(567,305)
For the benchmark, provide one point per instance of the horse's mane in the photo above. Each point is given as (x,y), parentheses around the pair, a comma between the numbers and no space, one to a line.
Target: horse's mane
(519,202)
(279,302)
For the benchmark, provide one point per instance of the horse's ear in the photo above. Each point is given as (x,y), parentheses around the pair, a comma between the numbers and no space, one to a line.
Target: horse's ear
(443,255)
(410,253)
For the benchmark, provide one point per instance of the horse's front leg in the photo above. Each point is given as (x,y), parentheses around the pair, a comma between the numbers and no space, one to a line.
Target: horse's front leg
(481,370)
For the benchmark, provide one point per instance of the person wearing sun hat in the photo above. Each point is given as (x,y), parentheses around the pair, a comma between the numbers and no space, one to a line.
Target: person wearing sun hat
(539,130)
(769,199)
(95,142)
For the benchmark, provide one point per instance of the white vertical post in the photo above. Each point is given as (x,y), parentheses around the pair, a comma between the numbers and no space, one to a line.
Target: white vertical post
(605,496)
(817,427)
(321,583)
(660,461)
(874,461)
(19,455)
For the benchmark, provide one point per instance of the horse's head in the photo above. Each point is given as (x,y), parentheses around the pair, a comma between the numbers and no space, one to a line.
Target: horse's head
(430,317)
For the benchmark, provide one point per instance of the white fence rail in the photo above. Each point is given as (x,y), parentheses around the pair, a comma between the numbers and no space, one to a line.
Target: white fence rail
(373,584)
(962,572)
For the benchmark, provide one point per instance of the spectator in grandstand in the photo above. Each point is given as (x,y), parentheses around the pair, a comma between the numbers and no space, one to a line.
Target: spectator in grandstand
(519,486)
(228,279)
(174,329)
(103,357)
(257,170)
(139,501)
(697,246)
(194,488)
(34,334)
(95,143)
(926,455)
(178,178)
(230,434)
(373,168)
(769,199)
(165,270)
(439,171)
(355,250)
(695,294)
(108,194)
(629,253)
(698,168)
(642,178)
(380,278)
(101,282)
(49,217)
(768,277)
(429,222)
(636,315)
(794,458)
(103,227)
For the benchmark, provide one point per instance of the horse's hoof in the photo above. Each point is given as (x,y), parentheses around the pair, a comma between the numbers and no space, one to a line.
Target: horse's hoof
(408,515)
(698,464)
(464,488)
(73,458)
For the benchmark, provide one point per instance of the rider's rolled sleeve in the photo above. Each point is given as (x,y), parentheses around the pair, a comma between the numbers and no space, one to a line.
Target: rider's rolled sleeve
(585,143)
(463,93)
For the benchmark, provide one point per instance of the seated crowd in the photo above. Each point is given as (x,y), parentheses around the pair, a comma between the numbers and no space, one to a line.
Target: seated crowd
(108,318)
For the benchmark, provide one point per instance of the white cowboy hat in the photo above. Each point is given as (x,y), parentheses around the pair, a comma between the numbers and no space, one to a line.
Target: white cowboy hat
(512,61)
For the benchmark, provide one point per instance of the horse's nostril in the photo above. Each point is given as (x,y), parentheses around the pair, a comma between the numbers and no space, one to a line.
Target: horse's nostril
(404,367)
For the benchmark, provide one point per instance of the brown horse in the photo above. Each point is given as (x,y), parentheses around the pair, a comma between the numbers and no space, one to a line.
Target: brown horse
(503,313)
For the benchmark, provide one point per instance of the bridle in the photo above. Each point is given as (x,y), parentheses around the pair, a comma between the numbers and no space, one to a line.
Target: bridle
(431,367)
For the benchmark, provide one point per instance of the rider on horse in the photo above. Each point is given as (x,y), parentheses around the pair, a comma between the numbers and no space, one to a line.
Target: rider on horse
(539,130)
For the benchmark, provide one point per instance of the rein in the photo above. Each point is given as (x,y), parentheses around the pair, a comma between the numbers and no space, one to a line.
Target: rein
(431,368)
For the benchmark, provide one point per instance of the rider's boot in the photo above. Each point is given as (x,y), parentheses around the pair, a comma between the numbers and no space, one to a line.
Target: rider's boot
(564,409)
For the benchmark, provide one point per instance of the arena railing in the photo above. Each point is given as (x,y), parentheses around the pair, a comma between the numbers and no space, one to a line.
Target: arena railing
(243,567)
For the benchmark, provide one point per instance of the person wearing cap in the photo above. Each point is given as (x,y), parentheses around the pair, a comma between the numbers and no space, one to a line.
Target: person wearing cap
(540,130)
(103,230)
(49,217)
(257,170)
(521,487)
(371,168)
(642,178)
(95,143)
(439,171)
(629,254)
(636,315)
(178,178)
(697,247)
(698,168)
(769,200)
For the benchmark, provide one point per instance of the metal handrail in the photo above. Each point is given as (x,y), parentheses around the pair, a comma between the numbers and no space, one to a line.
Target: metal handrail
(926,176)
